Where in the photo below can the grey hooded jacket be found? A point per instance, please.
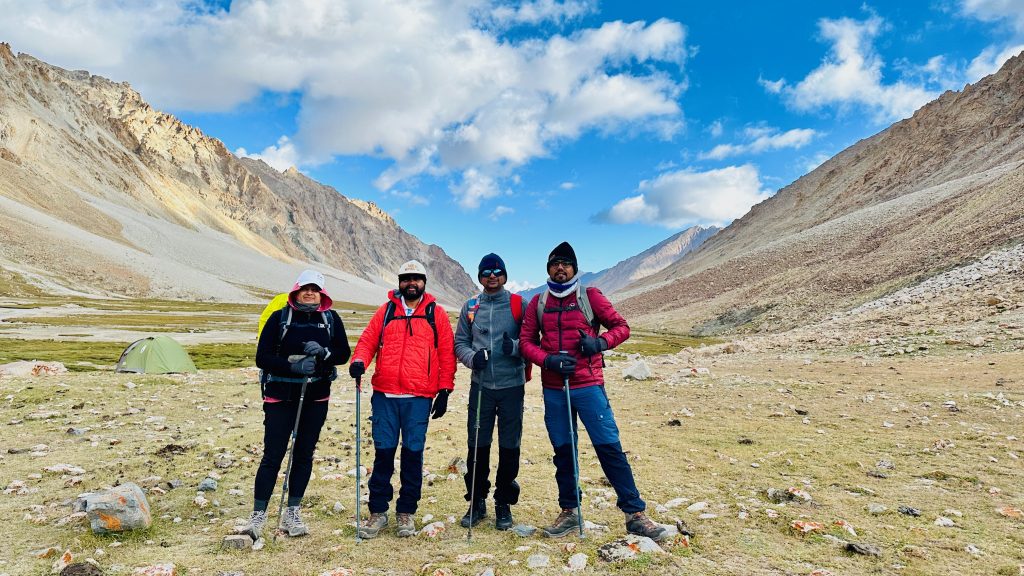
(492, 319)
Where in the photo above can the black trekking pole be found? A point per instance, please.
(291, 450)
(575, 455)
(359, 448)
(476, 447)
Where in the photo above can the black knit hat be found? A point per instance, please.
(490, 262)
(563, 252)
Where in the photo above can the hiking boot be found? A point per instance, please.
(292, 523)
(566, 522)
(639, 524)
(254, 527)
(406, 525)
(477, 512)
(372, 526)
(502, 516)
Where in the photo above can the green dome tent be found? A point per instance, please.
(155, 355)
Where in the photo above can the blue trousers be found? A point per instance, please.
(393, 418)
(591, 406)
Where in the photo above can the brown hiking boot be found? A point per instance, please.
(566, 522)
(372, 526)
(406, 525)
(639, 524)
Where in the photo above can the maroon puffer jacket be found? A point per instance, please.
(561, 332)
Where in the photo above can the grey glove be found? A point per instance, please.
(306, 366)
(313, 348)
(590, 345)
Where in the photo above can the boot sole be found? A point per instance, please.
(503, 527)
(561, 534)
(406, 533)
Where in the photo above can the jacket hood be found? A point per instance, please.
(325, 301)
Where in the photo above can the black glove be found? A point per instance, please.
(306, 366)
(564, 364)
(590, 345)
(313, 348)
(480, 359)
(356, 369)
(508, 344)
(440, 404)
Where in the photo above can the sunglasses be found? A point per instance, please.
(489, 271)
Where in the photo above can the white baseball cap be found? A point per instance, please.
(310, 277)
(412, 267)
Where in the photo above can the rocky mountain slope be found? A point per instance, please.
(101, 194)
(655, 258)
(929, 193)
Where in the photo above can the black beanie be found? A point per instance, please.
(563, 252)
(490, 262)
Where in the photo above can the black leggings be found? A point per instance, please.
(278, 421)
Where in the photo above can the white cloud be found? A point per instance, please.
(716, 129)
(990, 60)
(686, 197)
(772, 86)
(281, 156)
(851, 75)
(1011, 11)
(474, 188)
(517, 286)
(423, 83)
(763, 139)
(500, 211)
(539, 11)
(409, 197)
(567, 185)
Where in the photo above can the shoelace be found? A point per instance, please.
(293, 515)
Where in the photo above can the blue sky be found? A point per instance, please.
(510, 126)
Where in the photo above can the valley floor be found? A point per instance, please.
(862, 434)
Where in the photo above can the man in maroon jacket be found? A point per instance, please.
(566, 345)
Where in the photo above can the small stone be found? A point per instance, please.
(863, 548)
(972, 550)
(697, 506)
(237, 542)
(207, 485)
(944, 522)
(909, 511)
(876, 509)
(577, 562)
(538, 561)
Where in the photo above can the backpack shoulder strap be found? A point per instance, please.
(286, 321)
(516, 302)
(471, 309)
(542, 302)
(430, 318)
(389, 315)
(583, 301)
(329, 323)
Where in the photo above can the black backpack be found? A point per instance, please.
(389, 315)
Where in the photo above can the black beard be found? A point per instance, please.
(410, 292)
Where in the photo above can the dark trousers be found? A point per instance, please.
(278, 422)
(506, 406)
(589, 404)
(395, 418)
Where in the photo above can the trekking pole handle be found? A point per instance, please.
(295, 358)
(487, 354)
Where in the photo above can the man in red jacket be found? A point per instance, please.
(413, 341)
(560, 339)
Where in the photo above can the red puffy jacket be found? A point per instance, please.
(561, 332)
(407, 362)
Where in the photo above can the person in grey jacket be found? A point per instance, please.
(487, 340)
